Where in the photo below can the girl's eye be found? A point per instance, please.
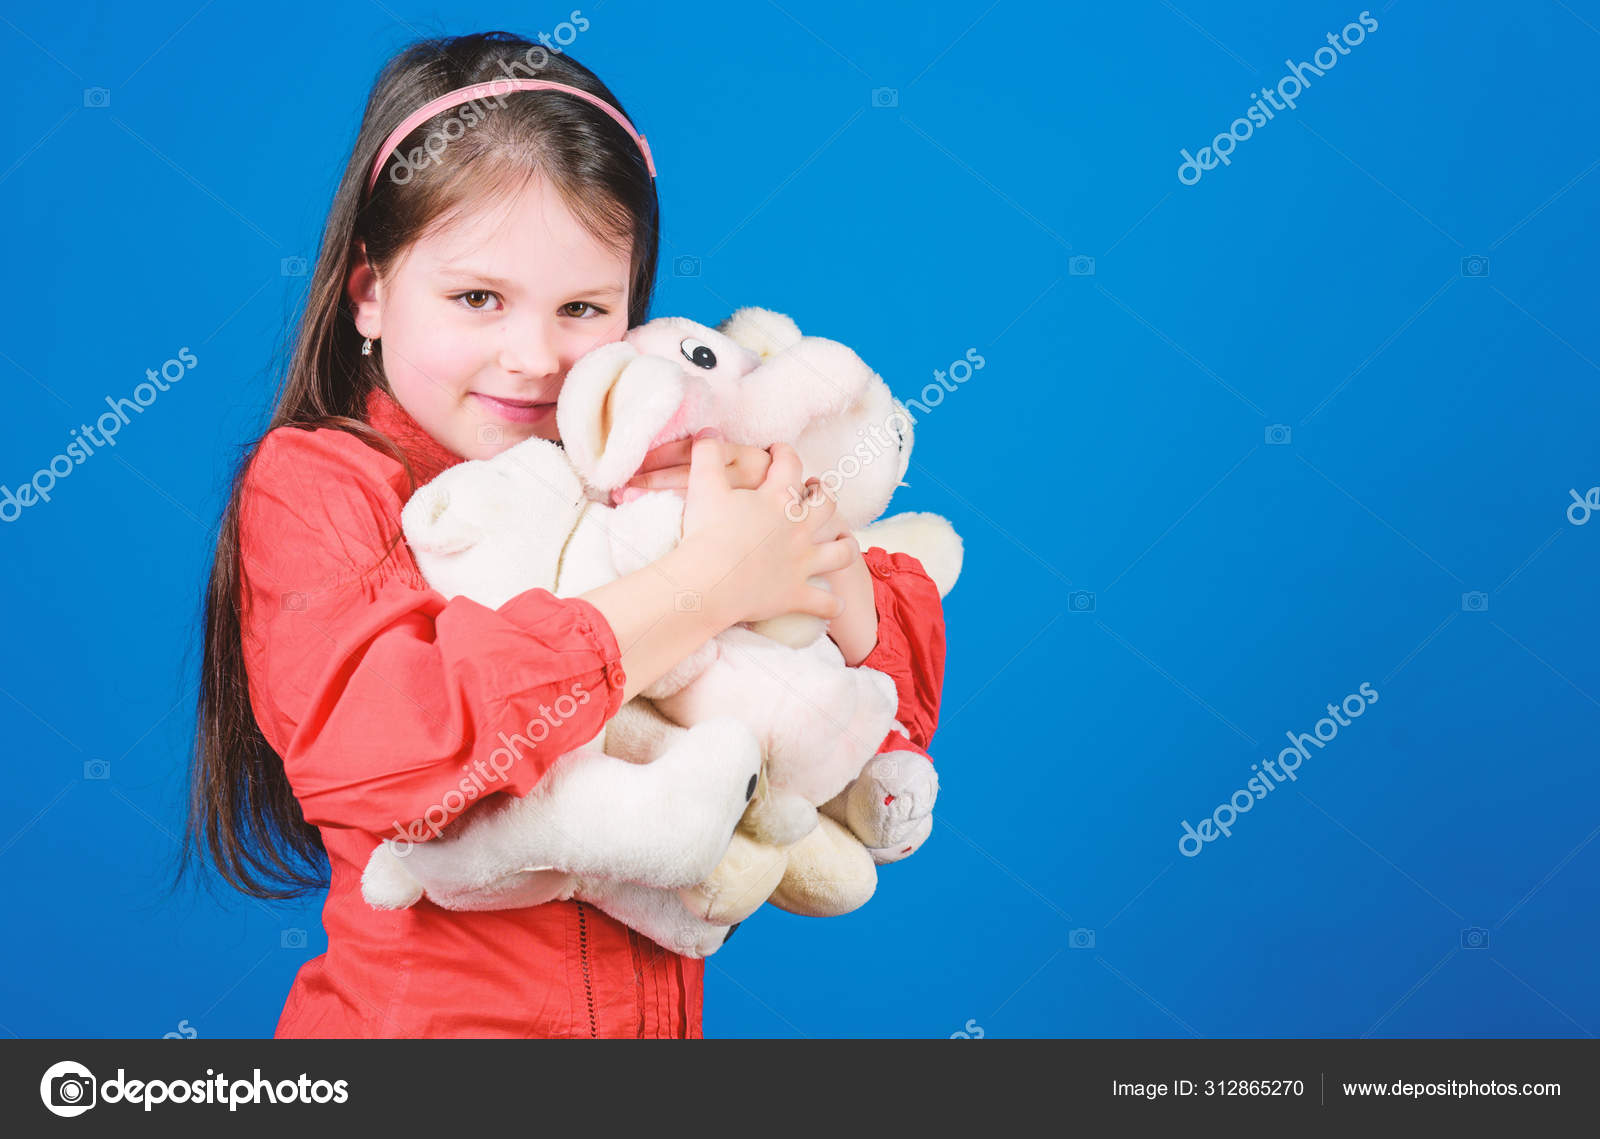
(485, 294)
(478, 300)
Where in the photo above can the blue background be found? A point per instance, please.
(1115, 443)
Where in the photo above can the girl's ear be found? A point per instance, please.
(365, 293)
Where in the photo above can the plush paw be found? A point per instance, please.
(659, 915)
(777, 818)
(741, 882)
(513, 892)
(386, 884)
(701, 940)
(708, 780)
(690, 937)
(890, 805)
(829, 873)
(906, 846)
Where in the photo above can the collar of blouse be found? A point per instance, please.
(428, 456)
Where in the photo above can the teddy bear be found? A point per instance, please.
(534, 516)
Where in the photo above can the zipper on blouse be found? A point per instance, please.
(583, 958)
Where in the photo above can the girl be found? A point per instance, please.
(464, 268)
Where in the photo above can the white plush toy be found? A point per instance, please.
(638, 820)
(761, 381)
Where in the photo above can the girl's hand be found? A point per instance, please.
(833, 527)
(667, 468)
(750, 548)
(855, 630)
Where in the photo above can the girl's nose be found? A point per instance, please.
(530, 350)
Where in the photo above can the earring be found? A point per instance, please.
(366, 348)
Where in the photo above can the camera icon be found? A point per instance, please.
(1080, 266)
(293, 938)
(292, 602)
(490, 433)
(1474, 937)
(686, 266)
(1474, 602)
(96, 769)
(1080, 939)
(1080, 601)
(1474, 266)
(96, 97)
(885, 97)
(292, 267)
(72, 1091)
(1278, 434)
(686, 601)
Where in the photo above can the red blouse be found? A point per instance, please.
(375, 690)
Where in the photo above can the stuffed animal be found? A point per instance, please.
(761, 381)
(773, 709)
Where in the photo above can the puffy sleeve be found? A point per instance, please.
(910, 647)
(393, 708)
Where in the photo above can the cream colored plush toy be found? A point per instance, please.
(767, 714)
(758, 379)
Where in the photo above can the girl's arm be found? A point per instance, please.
(394, 709)
(910, 647)
(893, 621)
(391, 706)
(855, 630)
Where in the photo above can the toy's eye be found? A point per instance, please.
(698, 354)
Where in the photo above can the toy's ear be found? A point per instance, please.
(613, 405)
(764, 332)
(927, 537)
(431, 527)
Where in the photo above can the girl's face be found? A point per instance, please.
(478, 322)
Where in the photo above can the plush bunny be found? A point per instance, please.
(492, 529)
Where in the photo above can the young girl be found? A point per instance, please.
(464, 267)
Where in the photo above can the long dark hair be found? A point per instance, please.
(241, 809)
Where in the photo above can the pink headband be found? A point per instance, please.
(497, 87)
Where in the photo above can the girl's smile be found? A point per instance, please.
(516, 411)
